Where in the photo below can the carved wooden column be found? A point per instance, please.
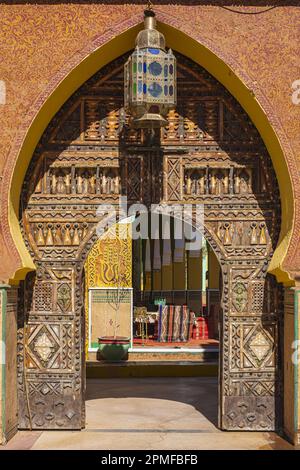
(250, 366)
(50, 349)
(250, 336)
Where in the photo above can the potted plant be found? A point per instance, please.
(115, 348)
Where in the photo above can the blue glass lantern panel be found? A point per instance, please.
(140, 67)
(140, 86)
(171, 90)
(155, 68)
(171, 69)
(153, 51)
(144, 67)
(155, 89)
(166, 70)
(166, 89)
(144, 88)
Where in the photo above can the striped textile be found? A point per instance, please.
(184, 333)
(175, 323)
(170, 322)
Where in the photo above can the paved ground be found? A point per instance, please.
(149, 413)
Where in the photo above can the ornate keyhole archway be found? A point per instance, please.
(209, 154)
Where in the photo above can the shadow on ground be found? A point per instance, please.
(198, 392)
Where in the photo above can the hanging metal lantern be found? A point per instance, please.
(150, 78)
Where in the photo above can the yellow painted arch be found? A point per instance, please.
(200, 54)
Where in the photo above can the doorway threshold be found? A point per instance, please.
(199, 355)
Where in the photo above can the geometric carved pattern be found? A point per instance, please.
(49, 346)
(174, 179)
(134, 179)
(43, 346)
(257, 297)
(209, 153)
(258, 347)
(64, 297)
(259, 389)
(43, 296)
(240, 297)
(45, 388)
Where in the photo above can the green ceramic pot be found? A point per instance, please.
(114, 349)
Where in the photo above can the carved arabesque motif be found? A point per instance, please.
(209, 153)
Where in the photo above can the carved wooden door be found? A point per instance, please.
(211, 154)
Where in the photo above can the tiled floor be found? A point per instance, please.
(149, 413)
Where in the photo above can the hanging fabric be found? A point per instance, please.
(179, 250)
(156, 255)
(167, 252)
(148, 257)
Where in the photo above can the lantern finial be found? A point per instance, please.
(149, 5)
(149, 36)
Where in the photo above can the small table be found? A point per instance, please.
(143, 317)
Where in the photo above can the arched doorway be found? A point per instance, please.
(175, 281)
(210, 154)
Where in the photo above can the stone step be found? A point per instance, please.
(203, 355)
(104, 369)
